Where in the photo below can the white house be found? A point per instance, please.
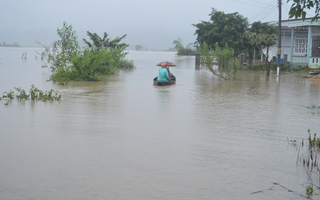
(300, 42)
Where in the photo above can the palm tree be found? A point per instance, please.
(104, 42)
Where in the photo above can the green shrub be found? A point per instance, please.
(125, 64)
(262, 66)
(70, 63)
(34, 94)
(86, 67)
(9, 95)
(21, 93)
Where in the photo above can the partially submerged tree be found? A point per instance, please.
(258, 37)
(261, 41)
(188, 50)
(114, 47)
(253, 43)
(98, 43)
(68, 62)
(220, 61)
(62, 50)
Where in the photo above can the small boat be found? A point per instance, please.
(172, 81)
(314, 72)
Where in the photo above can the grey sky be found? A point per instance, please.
(151, 23)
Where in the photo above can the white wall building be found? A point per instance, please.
(300, 42)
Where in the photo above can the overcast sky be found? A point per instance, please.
(154, 24)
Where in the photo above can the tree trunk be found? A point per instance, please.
(267, 62)
(250, 57)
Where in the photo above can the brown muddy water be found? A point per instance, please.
(123, 138)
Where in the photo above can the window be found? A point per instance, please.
(301, 44)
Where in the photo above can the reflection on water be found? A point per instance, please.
(164, 94)
(124, 138)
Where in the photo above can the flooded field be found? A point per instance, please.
(124, 138)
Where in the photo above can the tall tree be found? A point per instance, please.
(261, 41)
(223, 29)
(299, 8)
(259, 36)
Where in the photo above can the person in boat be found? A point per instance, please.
(168, 71)
(163, 75)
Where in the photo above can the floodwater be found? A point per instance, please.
(123, 138)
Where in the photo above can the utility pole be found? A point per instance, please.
(279, 39)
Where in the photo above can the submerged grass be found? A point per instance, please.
(308, 158)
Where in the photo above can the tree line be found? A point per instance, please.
(4, 44)
(222, 38)
(224, 33)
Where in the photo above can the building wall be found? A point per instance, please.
(304, 53)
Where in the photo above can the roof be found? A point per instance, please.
(296, 23)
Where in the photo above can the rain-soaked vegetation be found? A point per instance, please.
(69, 62)
(308, 159)
(34, 94)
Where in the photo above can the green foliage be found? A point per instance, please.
(101, 56)
(258, 67)
(224, 30)
(111, 53)
(262, 67)
(207, 56)
(259, 36)
(313, 107)
(224, 56)
(34, 94)
(21, 93)
(40, 95)
(309, 159)
(299, 8)
(87, 66)
(226, 64)
(262, 34)
(188, 50)
(9, 94)
(62, 50)
(124, 64)
(313, 142)
(97, 43)
(309, 191)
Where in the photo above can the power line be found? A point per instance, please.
(266, 11)
(246, 3)
(260, 2)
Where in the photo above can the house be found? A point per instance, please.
(300, 42)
